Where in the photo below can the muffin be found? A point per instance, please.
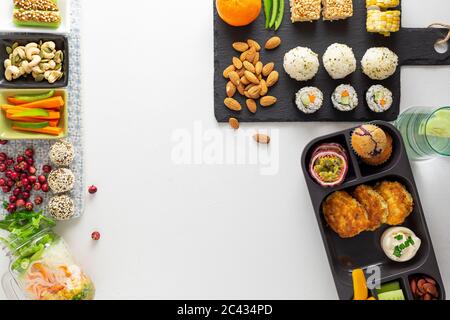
(62, 153)
(384, 156)
(369, 141)
(61, 180)
(61, 207)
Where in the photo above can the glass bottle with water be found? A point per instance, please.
(426, 132)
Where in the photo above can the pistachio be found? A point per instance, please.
(9, 50)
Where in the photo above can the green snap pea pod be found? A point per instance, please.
(280, 15)
(267, 8)
(274, 13)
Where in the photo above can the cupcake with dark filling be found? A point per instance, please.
(372, 144)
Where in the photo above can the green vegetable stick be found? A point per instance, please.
(274, 13)
(267, 8)
(280, 15)
(35, 97)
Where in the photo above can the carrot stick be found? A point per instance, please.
(51, 103)
(47, 130)
(14, 101)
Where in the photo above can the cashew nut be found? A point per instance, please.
(59, 56)
(19, 52)
(12, 72)
(25, 66)
(7, 63)
(48, 50)
(32, 51)
(36, 59)
(53, 76)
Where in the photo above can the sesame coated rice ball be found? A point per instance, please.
(61, 207)
(61, 180)
(301, 63)
(379, 63)
(62, 153)
(339, 61)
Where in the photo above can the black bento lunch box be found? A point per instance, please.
(28, 82)
(364, 251)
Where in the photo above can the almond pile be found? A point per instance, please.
(249, 77)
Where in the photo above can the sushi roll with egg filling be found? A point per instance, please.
(344, 98)
(309, 99)
(379, 99)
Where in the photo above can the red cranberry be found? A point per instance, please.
(30, 161)
(29, 152)
(95, 235)
(32, 179)
(45, 187)
(11, 208)
(42, 179)
(20, 159)
(6, 189)
(17, 192)
(20, 203)
(37, 186)
(3, 142)
(29, 206)
(25, 181)
(3, 167)
(46, 168)
(2, 182)
(3, 157)
(10, 183)
(32, 170)
(26, 195)
(23, 166)
(12, 199)
(9, 162)
(8, 173)
(92, 189)
(14, 176)
(38, 200)
(17, 168)
(29, 187)
(23, 176)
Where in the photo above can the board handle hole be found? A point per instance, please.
(441, 47)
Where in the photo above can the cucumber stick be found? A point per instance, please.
(280, 15)
(274, 13)
(267, 8)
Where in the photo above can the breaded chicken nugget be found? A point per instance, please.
(373, 202)
(345, 215)
(399, 200)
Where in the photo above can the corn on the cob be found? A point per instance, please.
(384, 4)
(383, 22)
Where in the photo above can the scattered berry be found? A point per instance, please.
(9, 162)
(20, 203)
(29, 206)
(37, 186)
(95, 235)
(26, 195)
(45, 187)
(12, 199)
(32, 170)
(38, 200)
(3, 142)
(2, 182)
(92, 189)
(6, 189)
(11, 208)
(47, 169)
(42, 179)
(3, 167)
(29, 152)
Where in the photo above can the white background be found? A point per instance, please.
(206, 231)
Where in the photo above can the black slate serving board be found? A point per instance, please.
(413, 46)
(364, 251)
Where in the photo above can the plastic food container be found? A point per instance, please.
(43, 269)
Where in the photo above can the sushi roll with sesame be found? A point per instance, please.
(309, 99)
(345, 98)
(379, 99)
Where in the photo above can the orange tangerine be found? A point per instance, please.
(238, 13)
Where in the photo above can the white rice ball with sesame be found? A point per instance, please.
(62, 153)
(61, 207)
(379, 63)
(301, 63)
(339, 61)
(61, 180)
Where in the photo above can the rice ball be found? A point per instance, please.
(379, 63)
(62, 153)
(61, 207)
(301, 63)
(61, 180)
(339, 61)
